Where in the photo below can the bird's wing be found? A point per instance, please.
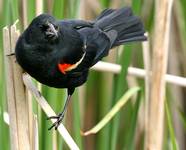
(102, 47)
(97, 45)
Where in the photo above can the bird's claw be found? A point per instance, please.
(58, 121)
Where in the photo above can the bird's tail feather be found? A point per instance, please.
(120, 26)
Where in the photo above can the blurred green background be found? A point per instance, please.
(94, 99)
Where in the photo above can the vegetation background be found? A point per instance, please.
(93, 100)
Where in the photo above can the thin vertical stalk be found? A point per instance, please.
(24, 8)
(35, 134)
(30, 117)
(39, 7)
(147, 66)
(154, 135)
(10, 91)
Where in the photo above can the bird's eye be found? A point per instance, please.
(56, 27)
(43, 27)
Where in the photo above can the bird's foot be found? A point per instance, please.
(11, 54)
(59, 119)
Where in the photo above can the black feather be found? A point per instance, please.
(125, 25)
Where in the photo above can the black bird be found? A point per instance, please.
(59, 53)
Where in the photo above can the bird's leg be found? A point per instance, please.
(60, 116)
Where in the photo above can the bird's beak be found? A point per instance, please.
(51, 31)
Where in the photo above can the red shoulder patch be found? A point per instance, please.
(64, 67)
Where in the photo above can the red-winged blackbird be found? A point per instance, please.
(59, 53)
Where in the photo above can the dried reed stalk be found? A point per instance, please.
(10, 91)
(147, 66)
(154, 134)
(15, 94)
(39, 7)
(141, 73)
(24, 8)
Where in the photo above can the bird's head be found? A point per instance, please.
(43, 28)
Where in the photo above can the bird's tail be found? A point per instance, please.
(121, 26)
